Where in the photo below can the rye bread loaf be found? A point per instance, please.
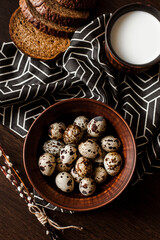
(42, 24)
(78, 4)
(54, 12)
(33, 42)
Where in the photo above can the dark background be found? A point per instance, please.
(135, 215)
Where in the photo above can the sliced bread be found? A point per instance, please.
(78, 4)
(42, 24)
(33, 42)
(54, 12)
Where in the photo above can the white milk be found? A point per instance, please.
(135, 37)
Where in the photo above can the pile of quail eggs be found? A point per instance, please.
(81, 154)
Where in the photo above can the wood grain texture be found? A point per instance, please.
(134, 215)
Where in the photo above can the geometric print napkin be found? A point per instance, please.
(28, 86)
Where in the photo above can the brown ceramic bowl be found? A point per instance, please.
(66, 111)
(114, 59)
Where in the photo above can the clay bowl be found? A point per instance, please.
(66, 111)
(113, 58)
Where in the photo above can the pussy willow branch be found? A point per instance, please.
(12, 175)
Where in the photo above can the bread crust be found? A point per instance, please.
(40, 23)
(17, 37)
(78, 4)
(59, 14)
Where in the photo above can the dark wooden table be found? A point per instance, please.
(135, 215)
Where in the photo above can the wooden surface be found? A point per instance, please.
(135, 215)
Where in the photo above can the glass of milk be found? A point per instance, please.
(132, 37)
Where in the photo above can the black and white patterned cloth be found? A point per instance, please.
(28, 86)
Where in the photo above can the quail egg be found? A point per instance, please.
(64, 181)
(68, 154)
(100, 175)
(110, 144)
(113, 163)
(47, 164)
(83, 167)
(53, 147)
(97, 126)
(62, 167)
(75, 175)
(89, 149)
(99, 161)
(87, 186)
(82, 122)
(56, 130)
(72, 134)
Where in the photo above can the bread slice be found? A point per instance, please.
(54, 12)
(33, 42)
(78, 4)
(42, 24)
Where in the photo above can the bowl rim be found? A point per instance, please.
(118, 13)
(92, 207)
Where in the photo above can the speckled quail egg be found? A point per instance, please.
(87, 186)
(53, 147)
(97, 126)
(110, 144)
(83, 167)
(64, 181)
(47, 164)
(62, 167)
(82, 122)
(75, 175)
(113, 163)
(99, 161)
(100, 175)
(56, 130)
(68, 154)
(89, 149)
(72, 134)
